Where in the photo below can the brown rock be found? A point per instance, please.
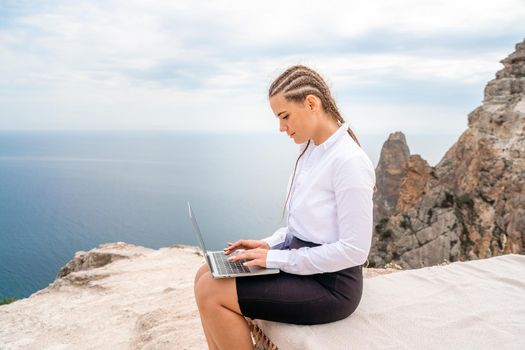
(415, 183)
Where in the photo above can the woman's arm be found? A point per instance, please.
(353, 183)
(352, 248)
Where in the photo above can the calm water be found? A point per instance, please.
(61, 192)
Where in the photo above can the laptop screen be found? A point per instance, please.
(199, 237)
(196, 229)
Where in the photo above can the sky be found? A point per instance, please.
(410, 65)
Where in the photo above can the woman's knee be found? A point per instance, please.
(211, 293)
(201, 271)
(205, 289)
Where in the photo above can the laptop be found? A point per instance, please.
(218, 262)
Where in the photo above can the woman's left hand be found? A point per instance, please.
(254, 257)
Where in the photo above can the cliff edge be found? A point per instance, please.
(116, 296)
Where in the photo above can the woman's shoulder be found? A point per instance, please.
(350, 160)
(347, 150)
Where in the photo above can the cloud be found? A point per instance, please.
(207, 64)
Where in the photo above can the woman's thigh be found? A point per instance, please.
(292, 299)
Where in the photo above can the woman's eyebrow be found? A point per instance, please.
(279, 114)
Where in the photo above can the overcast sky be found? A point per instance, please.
(412, 65)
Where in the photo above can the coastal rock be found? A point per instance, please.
(106, 254)
(471, 205)
(143, 301)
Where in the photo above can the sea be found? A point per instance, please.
(66, 191)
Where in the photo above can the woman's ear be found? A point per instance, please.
(312, 102)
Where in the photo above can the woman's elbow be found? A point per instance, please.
(357, 256)
(362, 259)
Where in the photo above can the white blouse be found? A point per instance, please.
(330, 204)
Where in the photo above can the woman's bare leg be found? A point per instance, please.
(211, 343)
(201, 271)
(221, 314)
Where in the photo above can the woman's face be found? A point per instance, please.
(296, 119)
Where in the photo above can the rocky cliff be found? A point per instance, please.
(471, 205)
(116, 296)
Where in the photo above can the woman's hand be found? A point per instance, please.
(253, 257)
(245, 244)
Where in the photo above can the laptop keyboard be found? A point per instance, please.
(226, 267)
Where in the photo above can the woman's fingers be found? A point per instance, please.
(233, 246)
(255, 262)
(247, 244)
(254, 256)
(247, 254)
(241, 244)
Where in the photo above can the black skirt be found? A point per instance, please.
(301, 299)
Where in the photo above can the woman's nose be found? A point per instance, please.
(282, 126)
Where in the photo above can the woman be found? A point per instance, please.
(329, 227)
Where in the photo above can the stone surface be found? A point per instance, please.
(471, 205)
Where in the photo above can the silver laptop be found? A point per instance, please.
(218, 262)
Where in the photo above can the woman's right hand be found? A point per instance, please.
(245, 244)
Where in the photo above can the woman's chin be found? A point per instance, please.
(295, 139)
(298, 140)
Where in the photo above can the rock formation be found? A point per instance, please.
(471, 205)
(390, 172)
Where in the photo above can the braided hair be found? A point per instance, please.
(295, 84)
